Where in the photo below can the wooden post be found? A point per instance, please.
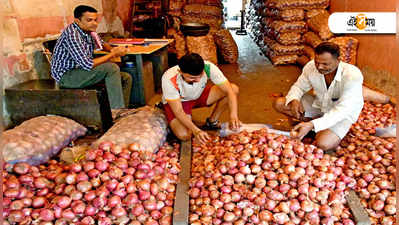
(182, 204)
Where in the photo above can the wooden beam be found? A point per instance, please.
(182, 203)
(360, 214)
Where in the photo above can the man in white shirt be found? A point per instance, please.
(185, 87)
(338, 101)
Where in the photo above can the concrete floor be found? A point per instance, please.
(258, 80)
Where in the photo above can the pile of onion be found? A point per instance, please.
(113, 185)
(371, 161)
(264, 178)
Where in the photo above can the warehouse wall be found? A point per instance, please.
(26, 25)
(376, 53)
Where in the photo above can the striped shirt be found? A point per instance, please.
(74, 49)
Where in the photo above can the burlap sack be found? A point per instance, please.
(310, 38)
(297, 4)
(282, 59)
(302, 60)
(319, 25)
(285, 15)
(204, 46)
(197, 9)
(176, 7)
(308, 52)
(279, 26)
(213, 22)
(347, 48)
(226, 45)
(290, 38)
(179, 45)
(217, 3)
(314, 12)
(279, 49)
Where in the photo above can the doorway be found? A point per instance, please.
(232, 13)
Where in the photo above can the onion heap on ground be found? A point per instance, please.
(371, 161)
(113, 185)
(264, 178)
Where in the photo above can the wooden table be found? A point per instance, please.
(153, 50)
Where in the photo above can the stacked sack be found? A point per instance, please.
(284, 26)
(211, 15)
(287, 31)
(218, 40)
(317, 21)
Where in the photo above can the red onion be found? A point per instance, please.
(84, 186)
(137, 210)
(68, 214)
(118, 212)
(78, 207)
(90, 210)
(281, 218)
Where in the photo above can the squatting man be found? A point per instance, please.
(185, 86)
(338, 98)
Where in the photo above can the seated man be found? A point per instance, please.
(73, 65)
(185, 87)
(338, 101)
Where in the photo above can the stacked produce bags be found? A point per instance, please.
(294, 24)
(218, 41)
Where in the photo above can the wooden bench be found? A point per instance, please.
(89, 107)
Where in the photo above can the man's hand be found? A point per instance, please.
(296, 108)
(235, 123)
(119, 51)
(201, 136)
(301, 130)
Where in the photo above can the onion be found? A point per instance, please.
(229, 217)
(90, 210)
(378, 205)
(68, 214)
(15, 216)
(101, 165)
(21, 168)
(41, 182)
(84, 186)
(306, 206)
(118, 212)
(270, 204)
(78, 207)
(114, 201)
(281, 218)
(275, 195)
(38, 202)
(104, 221)
(137, 210)
(294, 205)
(390, 209)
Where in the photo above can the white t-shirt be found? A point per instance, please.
(174, 87)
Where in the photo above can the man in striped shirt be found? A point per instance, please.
(73, 65)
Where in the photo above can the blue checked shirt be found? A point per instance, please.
(74, 49)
